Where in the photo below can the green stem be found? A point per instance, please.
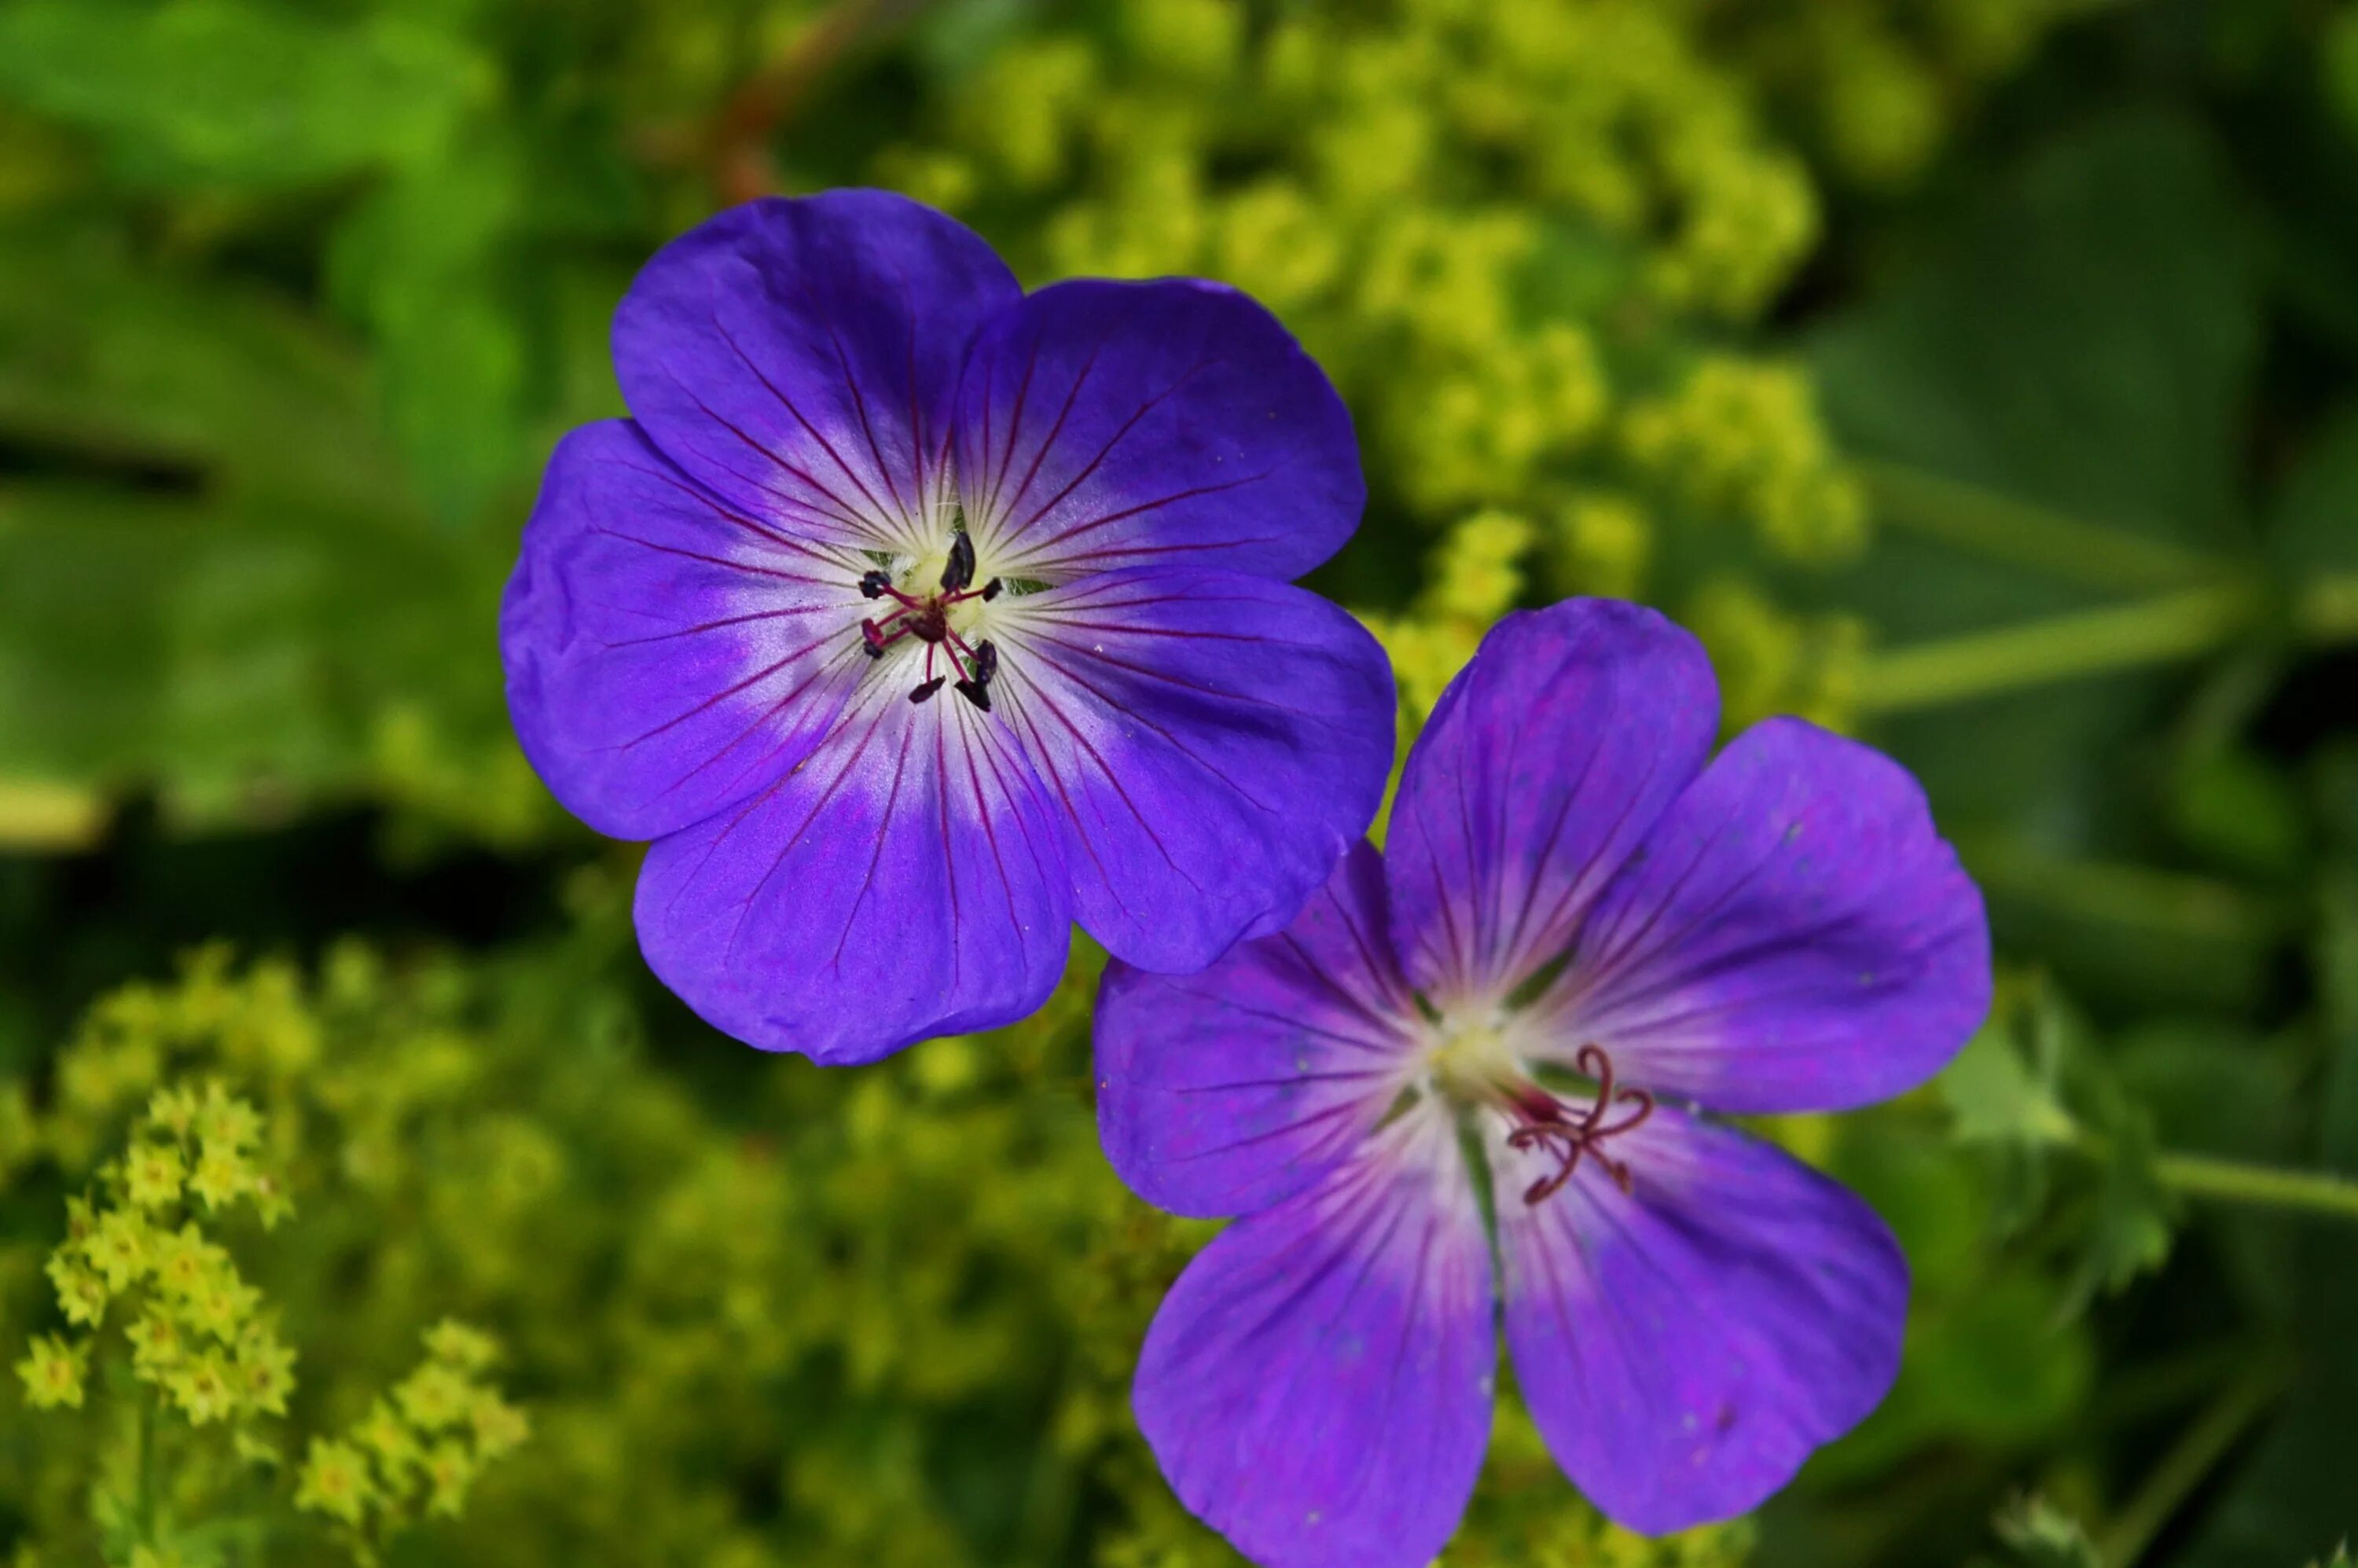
(2200, 1175)
(2026, 535)
(149, 1470)
(2085, 643)
(2189, 1461)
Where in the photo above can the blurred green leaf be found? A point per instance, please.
(239, 92)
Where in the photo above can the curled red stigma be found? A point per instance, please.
(1542, 1123)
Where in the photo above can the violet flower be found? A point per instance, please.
(915, 618)
(1579, 937)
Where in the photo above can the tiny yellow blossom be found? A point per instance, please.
(451, 1471)
(53, 1372)
(122, 1249)
(334, 1481)
(152, 1174)
(263, 1372)
(201, 1386)
(499, 1426)
(174, 1110)
(434, 1397)
(157, 1345)
(226, 1122)
(461, 1345)
(81, 1293)
(223, 1176)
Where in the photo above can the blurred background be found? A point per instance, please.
(1976, 376)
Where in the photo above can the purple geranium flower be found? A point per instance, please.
(1578, 932)
(915, 618)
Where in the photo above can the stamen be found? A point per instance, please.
(957, 573)
(991, 589)
(925, 690)
(975, 693)
(873, 585)
(1546, 1126)
(984, 665)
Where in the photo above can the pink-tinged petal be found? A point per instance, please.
(1318, 1384)
(1233, 1089)
(666, 655)
(1795, 936)
(1544, 765)
(1212, 743)
(1105, 425)
(801, 358)
(1685, 1346)
(904, 882)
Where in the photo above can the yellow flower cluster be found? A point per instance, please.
(1744, 438)
(420, 1448)
(1474, 578)
(1771, 660)
(1470, 210)
(197, 1330)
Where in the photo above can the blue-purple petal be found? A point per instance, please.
(1317, 1387)
(1544, 765)
(1212, 743)
(1685, 1346)
(800, 356)
(1795, 936)
(904, 881)
(1107, 426)
(1230, 1090)
(666, 655)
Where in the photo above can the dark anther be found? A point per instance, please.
(959, 570)
(924, 691)
(975, 693)
(1546, 1126)
(991, 589)
(873, 650)
(873, 584)
(986, 662)
(873, 635)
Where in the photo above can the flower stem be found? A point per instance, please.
(2026, 535)
(2201, 1175)
(2190, 1459)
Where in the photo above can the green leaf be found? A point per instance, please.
(1994, 1097)
(239, 94)
(2041, 1535)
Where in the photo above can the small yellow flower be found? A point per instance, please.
(157, 1345)
(174, 1110)
(153, 1173)
(434, 1397)
(185, 1260)
(460, 1346)
(500, 1427)
(334, 1481)
(223, 1176)
(82, 1294)
(222, 1304)
(52, 1372)
(203, 1387)
(450, 1470)
(227, 1123)
(271, 1202)
(122, 1249)
(388, 1440)
(264, 1373)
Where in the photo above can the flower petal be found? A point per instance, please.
(801, 357)
(1795, 936)
(1107, 425)
(1213, 743)
(904, 882)
(667, 656)
(1542, 766)
(1230, 1090)
(1683, 1346)
(1318, 1386)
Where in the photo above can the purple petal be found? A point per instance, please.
(1683, 1346)
(904, 881)
(1230, 1090)
(1793, 936)
(1173, 423)
(1213, 742)
(1318, 1386)
(666, 655)
(801, 357)
(1542, 766)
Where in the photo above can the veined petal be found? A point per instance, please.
(1212, 741)
(1795, 936)
(1685, 1346)
(904, 881)
(666, 655)
(1318, 1386)
(1107, 425)
(1544, 764)
(1227, 1091)
(801, 358)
